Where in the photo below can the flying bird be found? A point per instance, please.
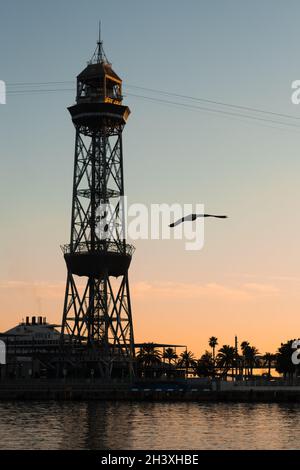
(191, 217)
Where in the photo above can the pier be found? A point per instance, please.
(179, 390)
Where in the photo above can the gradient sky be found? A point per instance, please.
(246, 280)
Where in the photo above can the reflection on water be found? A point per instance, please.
(122, 425)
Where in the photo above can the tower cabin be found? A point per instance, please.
(99, 83)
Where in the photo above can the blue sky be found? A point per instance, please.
(240, 52)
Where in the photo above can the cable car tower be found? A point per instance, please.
(97, 318)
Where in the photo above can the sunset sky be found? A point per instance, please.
(246, 279)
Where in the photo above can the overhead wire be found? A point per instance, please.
(218, 107)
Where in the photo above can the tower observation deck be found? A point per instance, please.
(97, 318)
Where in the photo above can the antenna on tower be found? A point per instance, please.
(99, 44)
(99, 41)
(99, 56)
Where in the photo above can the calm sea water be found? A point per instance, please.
(121, 425)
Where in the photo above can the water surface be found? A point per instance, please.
(125, 425)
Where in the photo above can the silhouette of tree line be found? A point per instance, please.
(223, 363)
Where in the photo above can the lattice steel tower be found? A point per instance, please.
(97, 312)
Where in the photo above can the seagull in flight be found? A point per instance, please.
(191, 217)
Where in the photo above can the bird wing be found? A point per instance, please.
(179, 221)
(212, 215)
(191, 217)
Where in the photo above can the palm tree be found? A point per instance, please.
(244, 346)
(249, 357)
(213, 342)
(268, 358)
(205, 366)
(170, 355)
(250, 354)
(284, 364)
(186, 360)
(226, 359)
(148, 355)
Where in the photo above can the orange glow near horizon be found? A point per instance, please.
(177, 313)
